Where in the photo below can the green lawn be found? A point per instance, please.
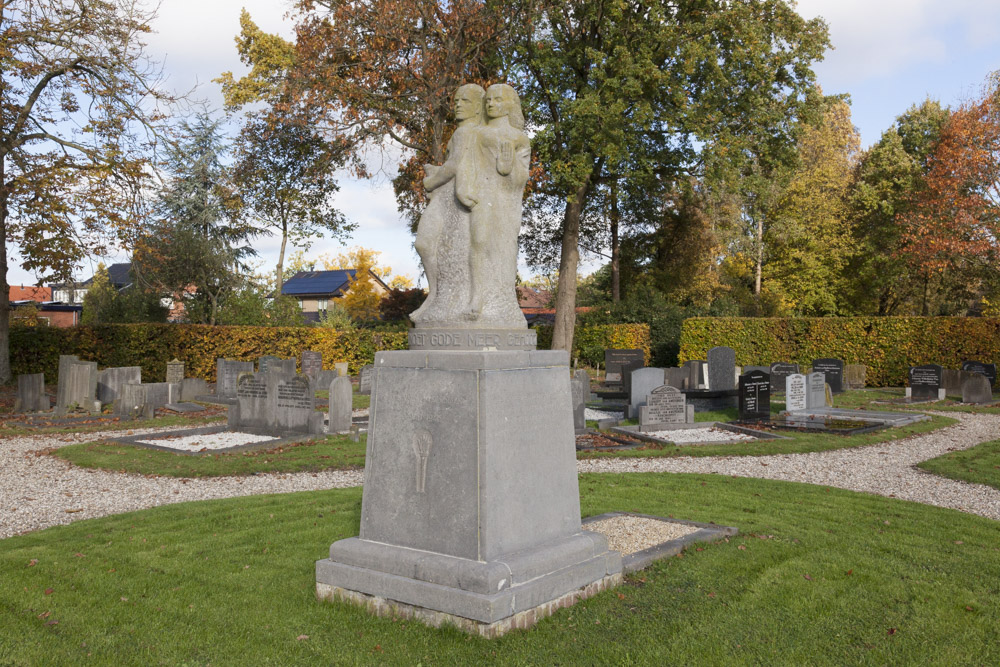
(332, 452)
(818, 576)
(979, 465)
(863, 400)
(13, 429)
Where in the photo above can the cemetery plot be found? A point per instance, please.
(208, 440)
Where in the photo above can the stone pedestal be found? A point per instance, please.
(471, 509)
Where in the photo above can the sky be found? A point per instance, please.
(887, 56)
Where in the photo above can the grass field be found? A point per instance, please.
(979, 465)
(818, 576)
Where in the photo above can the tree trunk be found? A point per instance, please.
(280, 273)
(5, 373)
(759, 260)
(616, 294)
(562, 335)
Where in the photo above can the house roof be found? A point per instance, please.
(118, 275)
(318, 282)
(29, 293)
(530, 297)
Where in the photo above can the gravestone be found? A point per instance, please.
(293, 404)
(796, 396)
(175, 371)
(264, 363)
(722, 369)
(584, 378)
(31, 396)
(111, 380)
(339, 416)
(132, 404)
(747, 369)
(191, 388)
(989, 370)
(643, 381)
(815, 390)
(578, 393)
(951, 380)
(615, 359)
(855, 376)
(675, 377)
(833, 369)
(81, 388)
(755, 396)
(312, 364)
(62, 378)
(341, 367)
(925, 382)
(779, 371)
(976, 389)
(627, 369)
(252, 404)
(277, 365)
(365, 380)
(227, 372)
(697, 377)
(665, 405)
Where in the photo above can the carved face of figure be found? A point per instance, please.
(496, 105)
(467, 103)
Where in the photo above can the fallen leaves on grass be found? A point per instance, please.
(32, 563)
(807, 577)
(302, 637)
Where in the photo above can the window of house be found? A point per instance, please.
(300, 304)
(321, 305)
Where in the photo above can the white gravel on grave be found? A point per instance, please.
(597, 415)
(629, 534)
(210, 442)
(709, 434)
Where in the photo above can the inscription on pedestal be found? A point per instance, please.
(526, 339)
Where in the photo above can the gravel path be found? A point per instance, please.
(41, 491)
(885, 469)
(38, 491)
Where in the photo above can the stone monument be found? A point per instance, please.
(470, 511)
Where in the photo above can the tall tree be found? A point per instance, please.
(78, 100)
(284, 172)
(198, 239)
(608, 80)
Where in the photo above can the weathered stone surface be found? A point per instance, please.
(642, 382)
(952, 380)
(472, 339)
(132, 402)
(815, 390)
(31, 396)
(675, 377)
(65, 361)
(855, 376)
(925, 381)
(976, 389)
(584, 378)
(755, 396)
(697, 374)
(227, 372)
(722, 368)
(614, 360)
(277, 403)
(796, 394)
(481, 532)
(252, 409)
(111, 380)
(779, 371)
(81, 387)
(339, 416)
(342, 369)
(579, 392)
(312, 364)
(191, 388)
(833, 369)
(665, 405)
(365, 380)
(175, 371)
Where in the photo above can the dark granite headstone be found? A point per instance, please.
(762, 369)
(779, 371)
(976, 389)
(722, 369)
(925, 381)
(989, 370)
(615, 359)
(31, 396)
(312, 364)
(755, 396)
(227, 372)
(833, 369)
(175, 371)
(365, 380)
(665, 405)
(796, 396)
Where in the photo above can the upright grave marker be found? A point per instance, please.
(796, 394)
(578, 392)
(31, 395)
(815, 391)
(665, 405)
(227, 372)
(779, 371)
(925, 382)
(111, 380)
(989, 370)
(697, 377)
(175, 371)
(833, 369)
(312, 364)
(976, 389)
(643, 381)
(365, 380)
(615, 359)
(755, 396)
(339, 416)
(722, 369)
(855, 376)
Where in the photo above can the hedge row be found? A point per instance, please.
(888, 346)
(589, 343)
(151, 346)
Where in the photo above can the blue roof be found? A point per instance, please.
(318, 282)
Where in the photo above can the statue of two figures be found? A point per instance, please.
(467, 236)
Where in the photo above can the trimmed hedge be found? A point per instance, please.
(888, 346)
(151, 346)
(590, 342)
